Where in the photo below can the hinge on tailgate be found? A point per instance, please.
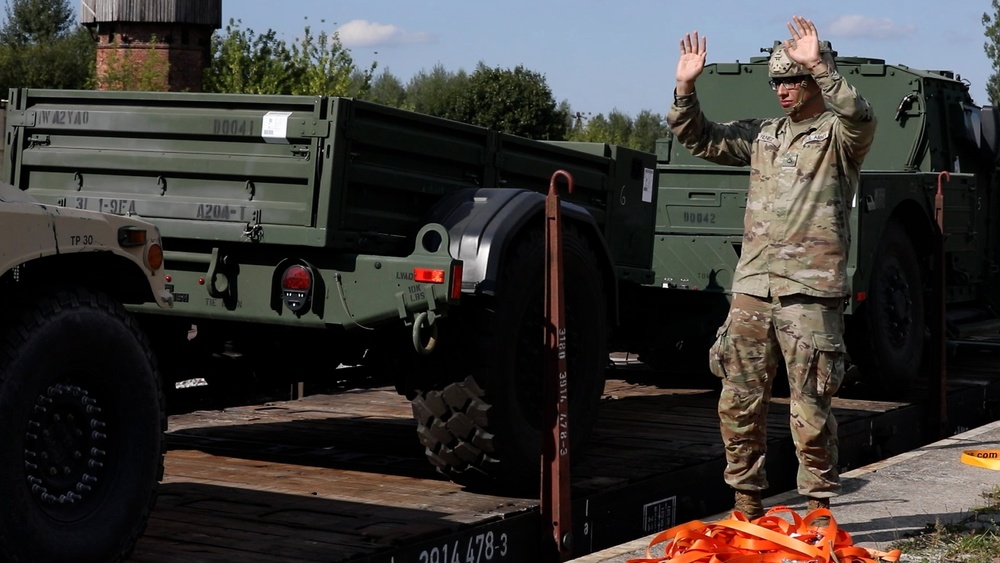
(21, 118)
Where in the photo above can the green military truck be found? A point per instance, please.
(305, 232)
(928, 124)
(81, 405)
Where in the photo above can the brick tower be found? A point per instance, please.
(153, 38)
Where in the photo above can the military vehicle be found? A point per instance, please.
(306, 232)
(81, 404)
(928, 124)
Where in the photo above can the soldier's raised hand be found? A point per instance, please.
(691, 62)
(803, 47)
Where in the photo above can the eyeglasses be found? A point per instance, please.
(790, 82)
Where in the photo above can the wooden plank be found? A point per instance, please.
(340, 477)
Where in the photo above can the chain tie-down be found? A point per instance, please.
(768, 539)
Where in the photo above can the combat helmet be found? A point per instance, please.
(780, 65)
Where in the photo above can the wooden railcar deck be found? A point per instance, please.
(341, 477)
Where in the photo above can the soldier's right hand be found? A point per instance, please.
(691, 62)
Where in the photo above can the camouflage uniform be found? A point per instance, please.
(791, 281)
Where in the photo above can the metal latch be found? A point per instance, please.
(35, 140)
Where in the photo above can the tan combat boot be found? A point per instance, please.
(749, 503)
(815, 504)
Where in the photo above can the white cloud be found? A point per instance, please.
(864, 26)
(363, 33)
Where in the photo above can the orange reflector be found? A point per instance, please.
(154, 257)
(426, 275)
(456, 280)
(860, 296)
(131, 236)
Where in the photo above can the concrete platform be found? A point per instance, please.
(884, 501)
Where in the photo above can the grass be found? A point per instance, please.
(975, 539)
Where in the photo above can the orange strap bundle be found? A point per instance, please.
(768, 539)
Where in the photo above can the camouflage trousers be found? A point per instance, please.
(807, 332)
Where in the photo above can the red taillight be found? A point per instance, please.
(296, 288)
(426, 275)
(296, 278)
(456, 281)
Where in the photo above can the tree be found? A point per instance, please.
(647, 128)
(321, 65)
(620, 129)
(34, 21)
(591, 129)
(387, 90)
(436, 92)
(992, 47)
(40, 47)
(514, 101)
(245, 62)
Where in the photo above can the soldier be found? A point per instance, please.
(790, 283)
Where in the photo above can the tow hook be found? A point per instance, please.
(425, 320)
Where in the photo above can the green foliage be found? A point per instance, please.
(514, 101)
(436, 92)
(135, 70)
(589, 129)
(992, 47)
(36, 21)
(646, 130)
(245, 62)
(517, 101)
(387, 90)
(40, 47)
(619, 129)
(321, 65)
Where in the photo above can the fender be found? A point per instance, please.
(482, 222)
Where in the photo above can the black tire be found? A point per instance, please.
(486, 429)
(81, 409)
(886, 339)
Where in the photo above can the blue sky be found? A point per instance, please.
(603, 55)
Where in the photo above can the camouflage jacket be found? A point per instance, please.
(803, 178)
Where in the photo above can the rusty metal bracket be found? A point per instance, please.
(555, 499)
(939, 332)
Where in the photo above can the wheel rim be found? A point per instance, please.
(65, 450)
